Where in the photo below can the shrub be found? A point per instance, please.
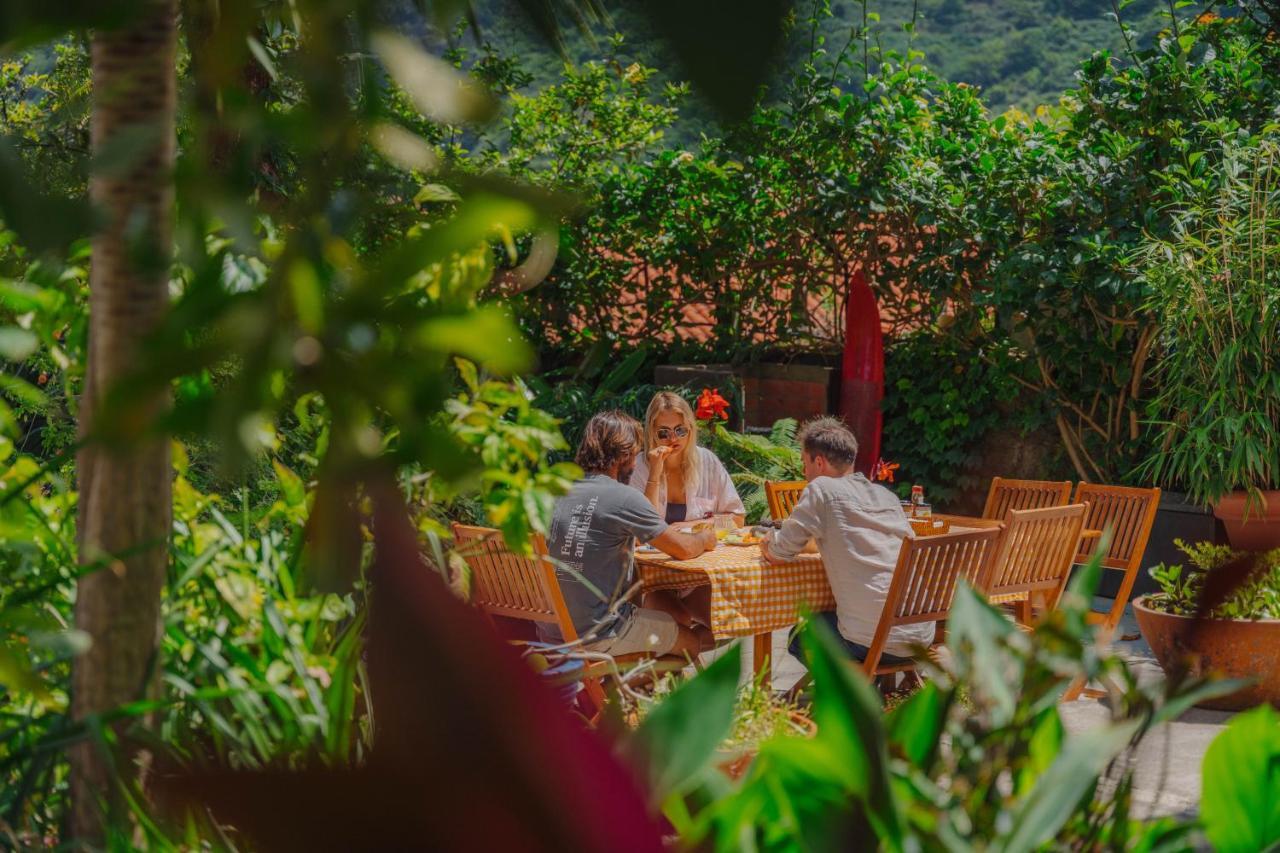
(1181, 586)
(1216, 290)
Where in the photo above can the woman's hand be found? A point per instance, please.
(657, 459)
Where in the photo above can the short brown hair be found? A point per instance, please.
(609, 438)
(830, 438)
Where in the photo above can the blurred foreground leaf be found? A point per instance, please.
(1240, 805)
(678, 738)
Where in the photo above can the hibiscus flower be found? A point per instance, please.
(883, 472)
(711, 405)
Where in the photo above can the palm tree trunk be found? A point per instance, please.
(125, 491)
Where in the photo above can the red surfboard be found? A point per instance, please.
(862, 371)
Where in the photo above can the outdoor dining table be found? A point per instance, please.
(749, 596)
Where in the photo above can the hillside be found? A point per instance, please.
(1021, 53)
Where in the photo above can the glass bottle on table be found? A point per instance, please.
(917, 501)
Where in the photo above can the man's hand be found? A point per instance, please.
(765, 552)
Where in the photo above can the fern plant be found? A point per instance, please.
(752, 459)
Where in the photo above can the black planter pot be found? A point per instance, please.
(1176, 519)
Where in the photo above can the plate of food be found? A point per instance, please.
(742, 538)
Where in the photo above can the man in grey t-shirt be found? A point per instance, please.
(592, 537)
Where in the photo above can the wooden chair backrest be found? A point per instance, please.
(924, 580)
(1128, 513)
(512, 585)
(1005, 495)
(783, 496)
(1036, 552)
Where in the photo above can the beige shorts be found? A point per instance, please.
(647, 631)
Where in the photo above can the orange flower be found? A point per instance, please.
(883, 472)
(711, 405)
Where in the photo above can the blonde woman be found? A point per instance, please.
(683, 481)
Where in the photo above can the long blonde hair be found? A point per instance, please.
(667, 401)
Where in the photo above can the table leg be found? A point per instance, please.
(762, 647)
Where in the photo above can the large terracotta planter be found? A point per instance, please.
(1261, 531)
(1232, 648)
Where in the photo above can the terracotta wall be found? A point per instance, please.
(760, 394)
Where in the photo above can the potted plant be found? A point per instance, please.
(1240, 638)
(1215, 289)
(759, 715)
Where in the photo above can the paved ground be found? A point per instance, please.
(1167, 779)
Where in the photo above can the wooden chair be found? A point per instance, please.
(1128, 514)
(1005, 495)
(924, 585)
(1035, 557)
(514, 586)
(783, 496)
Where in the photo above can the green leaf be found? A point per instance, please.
(437, 89)
(851, 723)
(915, 726)
(46, 223)
(1240, 803)
(435, 193)
(1071, 776)
(975, 629)
(467, 370)
(1043, 747)
(678, 737)
(295, 491)
(17, 344)
(725, 56)
(486, 335)
(25, 22)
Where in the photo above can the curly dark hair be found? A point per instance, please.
(607, 439)
(830, 438)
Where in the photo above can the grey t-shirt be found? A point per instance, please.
(593, 532)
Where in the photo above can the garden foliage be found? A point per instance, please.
(1182, 586)
(346, 232)
(978, 759)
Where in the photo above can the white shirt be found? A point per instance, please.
(715, 493)
(858, 527)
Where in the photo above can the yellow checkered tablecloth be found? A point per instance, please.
(748, 595)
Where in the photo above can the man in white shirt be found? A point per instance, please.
(858, 527)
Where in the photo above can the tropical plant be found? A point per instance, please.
(258, 669)
(573, 395)
(1216, 291)
(514, 440)
(1182, 586)
(752, 459)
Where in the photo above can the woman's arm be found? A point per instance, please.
(657, 461)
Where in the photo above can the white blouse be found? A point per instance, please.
(715, 493)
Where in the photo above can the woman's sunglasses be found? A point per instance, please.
(665, 433)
